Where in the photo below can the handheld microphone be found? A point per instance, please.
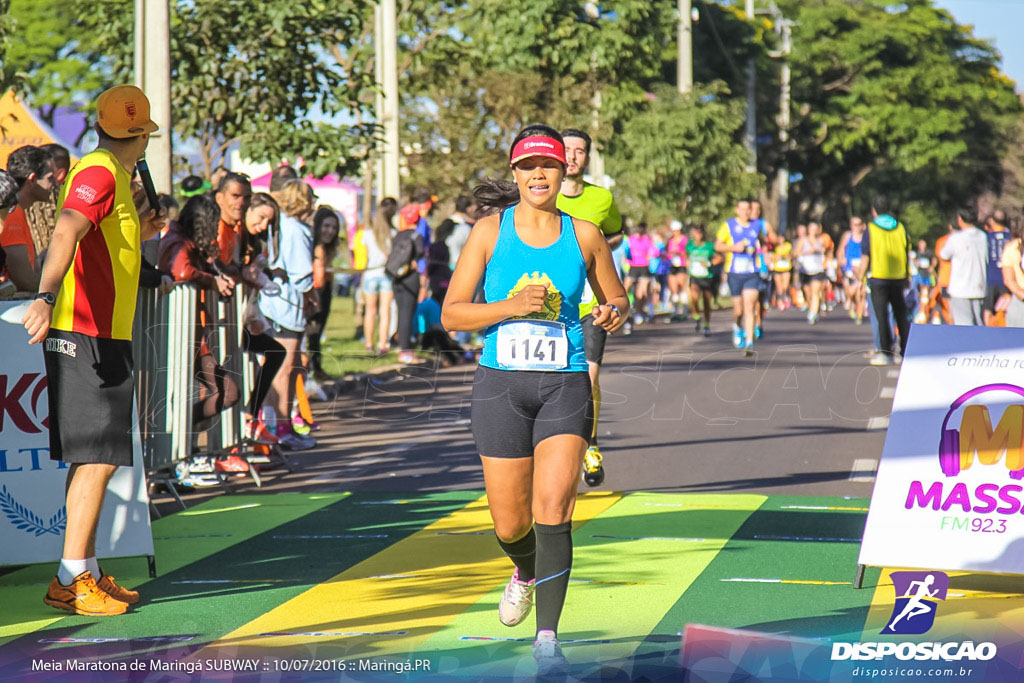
(147, 184)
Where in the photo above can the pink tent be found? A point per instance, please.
(339, 194)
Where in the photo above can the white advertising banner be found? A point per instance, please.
(949, 493)
(32, 515)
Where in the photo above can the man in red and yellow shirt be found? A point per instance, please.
(84, 313)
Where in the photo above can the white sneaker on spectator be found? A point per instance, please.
(881, 358)
(294, 442)
(314, 390)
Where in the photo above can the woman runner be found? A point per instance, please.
(531, 410)
(703, 259)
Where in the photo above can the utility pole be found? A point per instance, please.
(596, 160)
(786, 28)
(684, 38)
(386, 65)
(750, 135)
(153, 76)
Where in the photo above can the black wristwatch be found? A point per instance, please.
(47, 297)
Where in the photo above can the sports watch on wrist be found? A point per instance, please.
(48, 297)
(615, 308)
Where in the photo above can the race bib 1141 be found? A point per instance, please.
(532, 345)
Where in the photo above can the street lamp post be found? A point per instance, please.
(750, 135)
(386, 44)
(786, 28)
(684, 38)
(153, 76)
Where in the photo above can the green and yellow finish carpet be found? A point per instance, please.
(301, 578)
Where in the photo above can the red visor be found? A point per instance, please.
(538, 146)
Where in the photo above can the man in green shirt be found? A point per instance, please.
(589, 202)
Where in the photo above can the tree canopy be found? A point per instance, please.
(887, 96)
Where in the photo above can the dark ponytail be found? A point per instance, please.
(494, 195)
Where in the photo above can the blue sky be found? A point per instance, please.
(998, 20)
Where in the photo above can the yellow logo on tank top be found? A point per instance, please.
(553, 304)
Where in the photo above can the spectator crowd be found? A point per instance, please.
(280, 251)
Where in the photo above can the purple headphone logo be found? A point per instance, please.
(951, 459)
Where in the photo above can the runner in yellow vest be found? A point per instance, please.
(589, 202)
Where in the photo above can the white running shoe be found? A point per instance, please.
(881, 358)
(548, 655)
(517, 601)
(295, 442)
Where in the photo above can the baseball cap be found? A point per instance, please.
(193, 185)
(537, 146)
(410, 214)
(123, 112)
(676, 225)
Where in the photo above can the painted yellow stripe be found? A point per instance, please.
(179, 539)
(662, 550)
(977, 606)
(399, 597)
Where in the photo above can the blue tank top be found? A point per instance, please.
(854, 253)
(531, 343)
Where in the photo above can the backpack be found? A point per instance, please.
(399, 261)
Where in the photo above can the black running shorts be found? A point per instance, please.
(513, 411)
(705, 284)
(992, 294)
(594, 338)
(90, 389)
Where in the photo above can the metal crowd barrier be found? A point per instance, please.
(165, 351)
(164, 340)
(226, 345)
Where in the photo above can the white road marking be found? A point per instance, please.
(864, 470)
(887, 392)
(878, 423)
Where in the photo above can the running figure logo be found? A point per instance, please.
(917, 595)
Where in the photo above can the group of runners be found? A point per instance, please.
(545, 258)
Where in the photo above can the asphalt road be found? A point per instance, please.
(805, 416)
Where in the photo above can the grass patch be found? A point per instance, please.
(343, 352)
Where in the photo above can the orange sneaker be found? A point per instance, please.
(119, 593)
(84, 597)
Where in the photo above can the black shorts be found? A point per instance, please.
(817, 277)
(90, 390)
(639, 273)
(704, 284)
(279, 332)
(677, 270)
(513, 411)
(594, 338)
(992, 294)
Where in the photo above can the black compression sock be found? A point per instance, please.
(524, 554)
(554, 562)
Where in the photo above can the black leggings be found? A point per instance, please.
(316, 328)
(217, 391)
(407, 293)
(273, 359)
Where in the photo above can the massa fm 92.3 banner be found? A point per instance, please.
(949, 493)
(32, 514)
